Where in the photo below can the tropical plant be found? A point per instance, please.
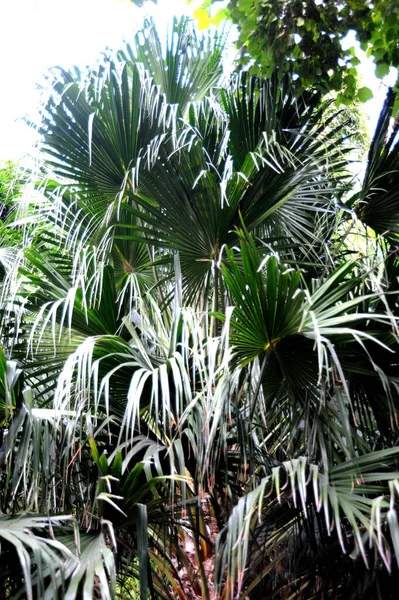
(308, 39)
(198, 380)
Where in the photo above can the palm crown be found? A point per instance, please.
(199, 384)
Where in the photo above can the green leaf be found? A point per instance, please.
(364, 94)
(381, 70)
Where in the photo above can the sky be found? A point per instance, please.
(38, 34)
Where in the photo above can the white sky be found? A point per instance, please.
(38, 34)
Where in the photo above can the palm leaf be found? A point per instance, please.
(377, 203)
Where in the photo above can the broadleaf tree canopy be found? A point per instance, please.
(305, 38)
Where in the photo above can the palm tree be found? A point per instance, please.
(198, 380)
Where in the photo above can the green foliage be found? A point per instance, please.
(304, 38)
(198, 374)
(12, 180)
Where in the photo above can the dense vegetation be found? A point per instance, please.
(305, 38)
(199, 370)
